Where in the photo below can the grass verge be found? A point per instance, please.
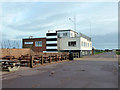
(99, 52)
(118, 52)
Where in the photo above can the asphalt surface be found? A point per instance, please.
(102, 72)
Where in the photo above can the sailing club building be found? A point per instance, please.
(61, 41)
(68, 41)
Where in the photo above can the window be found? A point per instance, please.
(28, 42)
(64, 34)
(84, 44)
(58, 35)
(38, 43)
(83, 53)
(88, 44)
(72, 43)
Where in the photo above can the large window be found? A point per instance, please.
(28, 42)
(72, 43)
(38, 43)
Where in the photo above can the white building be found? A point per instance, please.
(68, 41)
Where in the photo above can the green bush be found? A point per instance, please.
(118, 52)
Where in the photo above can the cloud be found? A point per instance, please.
(35, 19)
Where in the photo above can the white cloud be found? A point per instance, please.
(25, 19)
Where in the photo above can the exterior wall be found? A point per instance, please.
(63, 44)
(73, 34)
(33, 47)
(51, 42)
(85, 47)
(86, 52)
(58, 41)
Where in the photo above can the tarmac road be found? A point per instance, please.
(98, 71)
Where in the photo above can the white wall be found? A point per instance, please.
(63, 44)
(86, 41)
(72, 33)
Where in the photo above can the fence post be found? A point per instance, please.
(49, 59)
(31, 61)
(42, 60)
(61, 58)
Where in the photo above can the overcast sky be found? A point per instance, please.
(21, 20)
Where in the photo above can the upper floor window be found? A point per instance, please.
(88, 44)
(58, 34)
(38, 43)
(82, 43)
(72, 43)
(64, 34)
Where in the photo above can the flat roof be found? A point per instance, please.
(65, 30)
(32, 38)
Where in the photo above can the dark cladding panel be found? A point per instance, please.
(51, 34)
(51, 39)
(51, 50)
(51, 44)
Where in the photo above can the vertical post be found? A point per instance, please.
(61, 57)
(66, 56)
(49, 59)
(31, 61)
(56, 57)
(42, 60)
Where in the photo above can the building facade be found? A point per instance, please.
(36, 44)
(51, 42)
(69, 41)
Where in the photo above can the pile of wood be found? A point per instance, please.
(42, 59)
(35, 60)
(25, 60)
(8, 58)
